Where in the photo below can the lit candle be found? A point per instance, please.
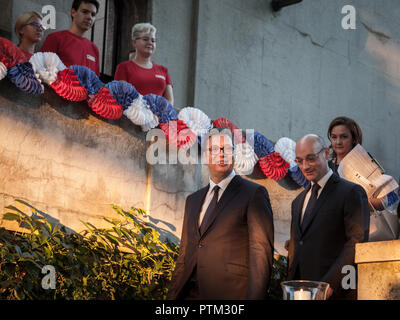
(302, 295)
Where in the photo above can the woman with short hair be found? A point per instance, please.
(146, 76)
(29, 30)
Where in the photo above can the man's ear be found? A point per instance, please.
(73, 13)
(327, 151)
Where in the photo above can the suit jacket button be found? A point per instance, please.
(200, 245)
(301, 242)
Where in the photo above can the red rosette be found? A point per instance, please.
(236, 132)
(105, 105)
(10, 54)
(274, 166)
(68, 86)
(178, 133)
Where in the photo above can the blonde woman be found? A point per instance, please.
(146, 76)
(29, 30)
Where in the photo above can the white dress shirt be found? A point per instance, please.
(223, 184)
(321, 182)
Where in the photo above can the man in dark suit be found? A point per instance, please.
(328, 219)
(226, 249)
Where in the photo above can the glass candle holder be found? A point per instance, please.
(304, 290)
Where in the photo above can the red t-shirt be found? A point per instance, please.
(27, 54)
(73, 50)
(146, 81)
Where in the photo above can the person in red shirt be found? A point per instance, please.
(29, 30)
(146, 76)
(70, 45)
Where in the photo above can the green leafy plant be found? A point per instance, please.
(125, 261)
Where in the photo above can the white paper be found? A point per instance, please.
(358, 167)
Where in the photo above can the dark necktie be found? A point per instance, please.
(210, 209)
(311, 201)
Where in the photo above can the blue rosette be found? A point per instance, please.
(262, 146)
(298, 177)
(123, 92)
(88, 79)
(161, 107)
(23, 76)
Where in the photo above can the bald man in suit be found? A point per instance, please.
(226, 249)
(328, 219)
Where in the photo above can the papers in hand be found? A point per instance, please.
(359, 167)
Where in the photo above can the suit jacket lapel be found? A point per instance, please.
(321, 199)
(197, 204)
(230, 191)
(298, 209)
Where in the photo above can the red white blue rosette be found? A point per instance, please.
(105, 105)
(286, 147)
(3, 71)
(68, 86)
(23, 77)
(88, 79)
(10, 54)
(236, 132)
(141, 115)
(274, 166)
(178, 133)
(46, 65)
(196, 120)
(245, 158)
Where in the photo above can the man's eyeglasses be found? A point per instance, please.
(310, 159)
(36, 25)
(215, 150)
(147, 39)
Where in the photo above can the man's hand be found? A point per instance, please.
(286, 245)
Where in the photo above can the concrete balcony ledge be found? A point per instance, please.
(378, 270)
(380, 251)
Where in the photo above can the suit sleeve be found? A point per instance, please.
(261, 244)
(178, 271)
(356, 223)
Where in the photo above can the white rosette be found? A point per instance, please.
(140, 114)
(46, 66)
(245, 158)
(3, 71)
(286, 147)
(196, 120)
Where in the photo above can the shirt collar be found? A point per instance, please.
(224, 183)
(322, 182)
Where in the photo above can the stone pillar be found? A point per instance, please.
(378, 270)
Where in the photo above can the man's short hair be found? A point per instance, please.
(215, 131)
(321, 141)
(77, 3)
